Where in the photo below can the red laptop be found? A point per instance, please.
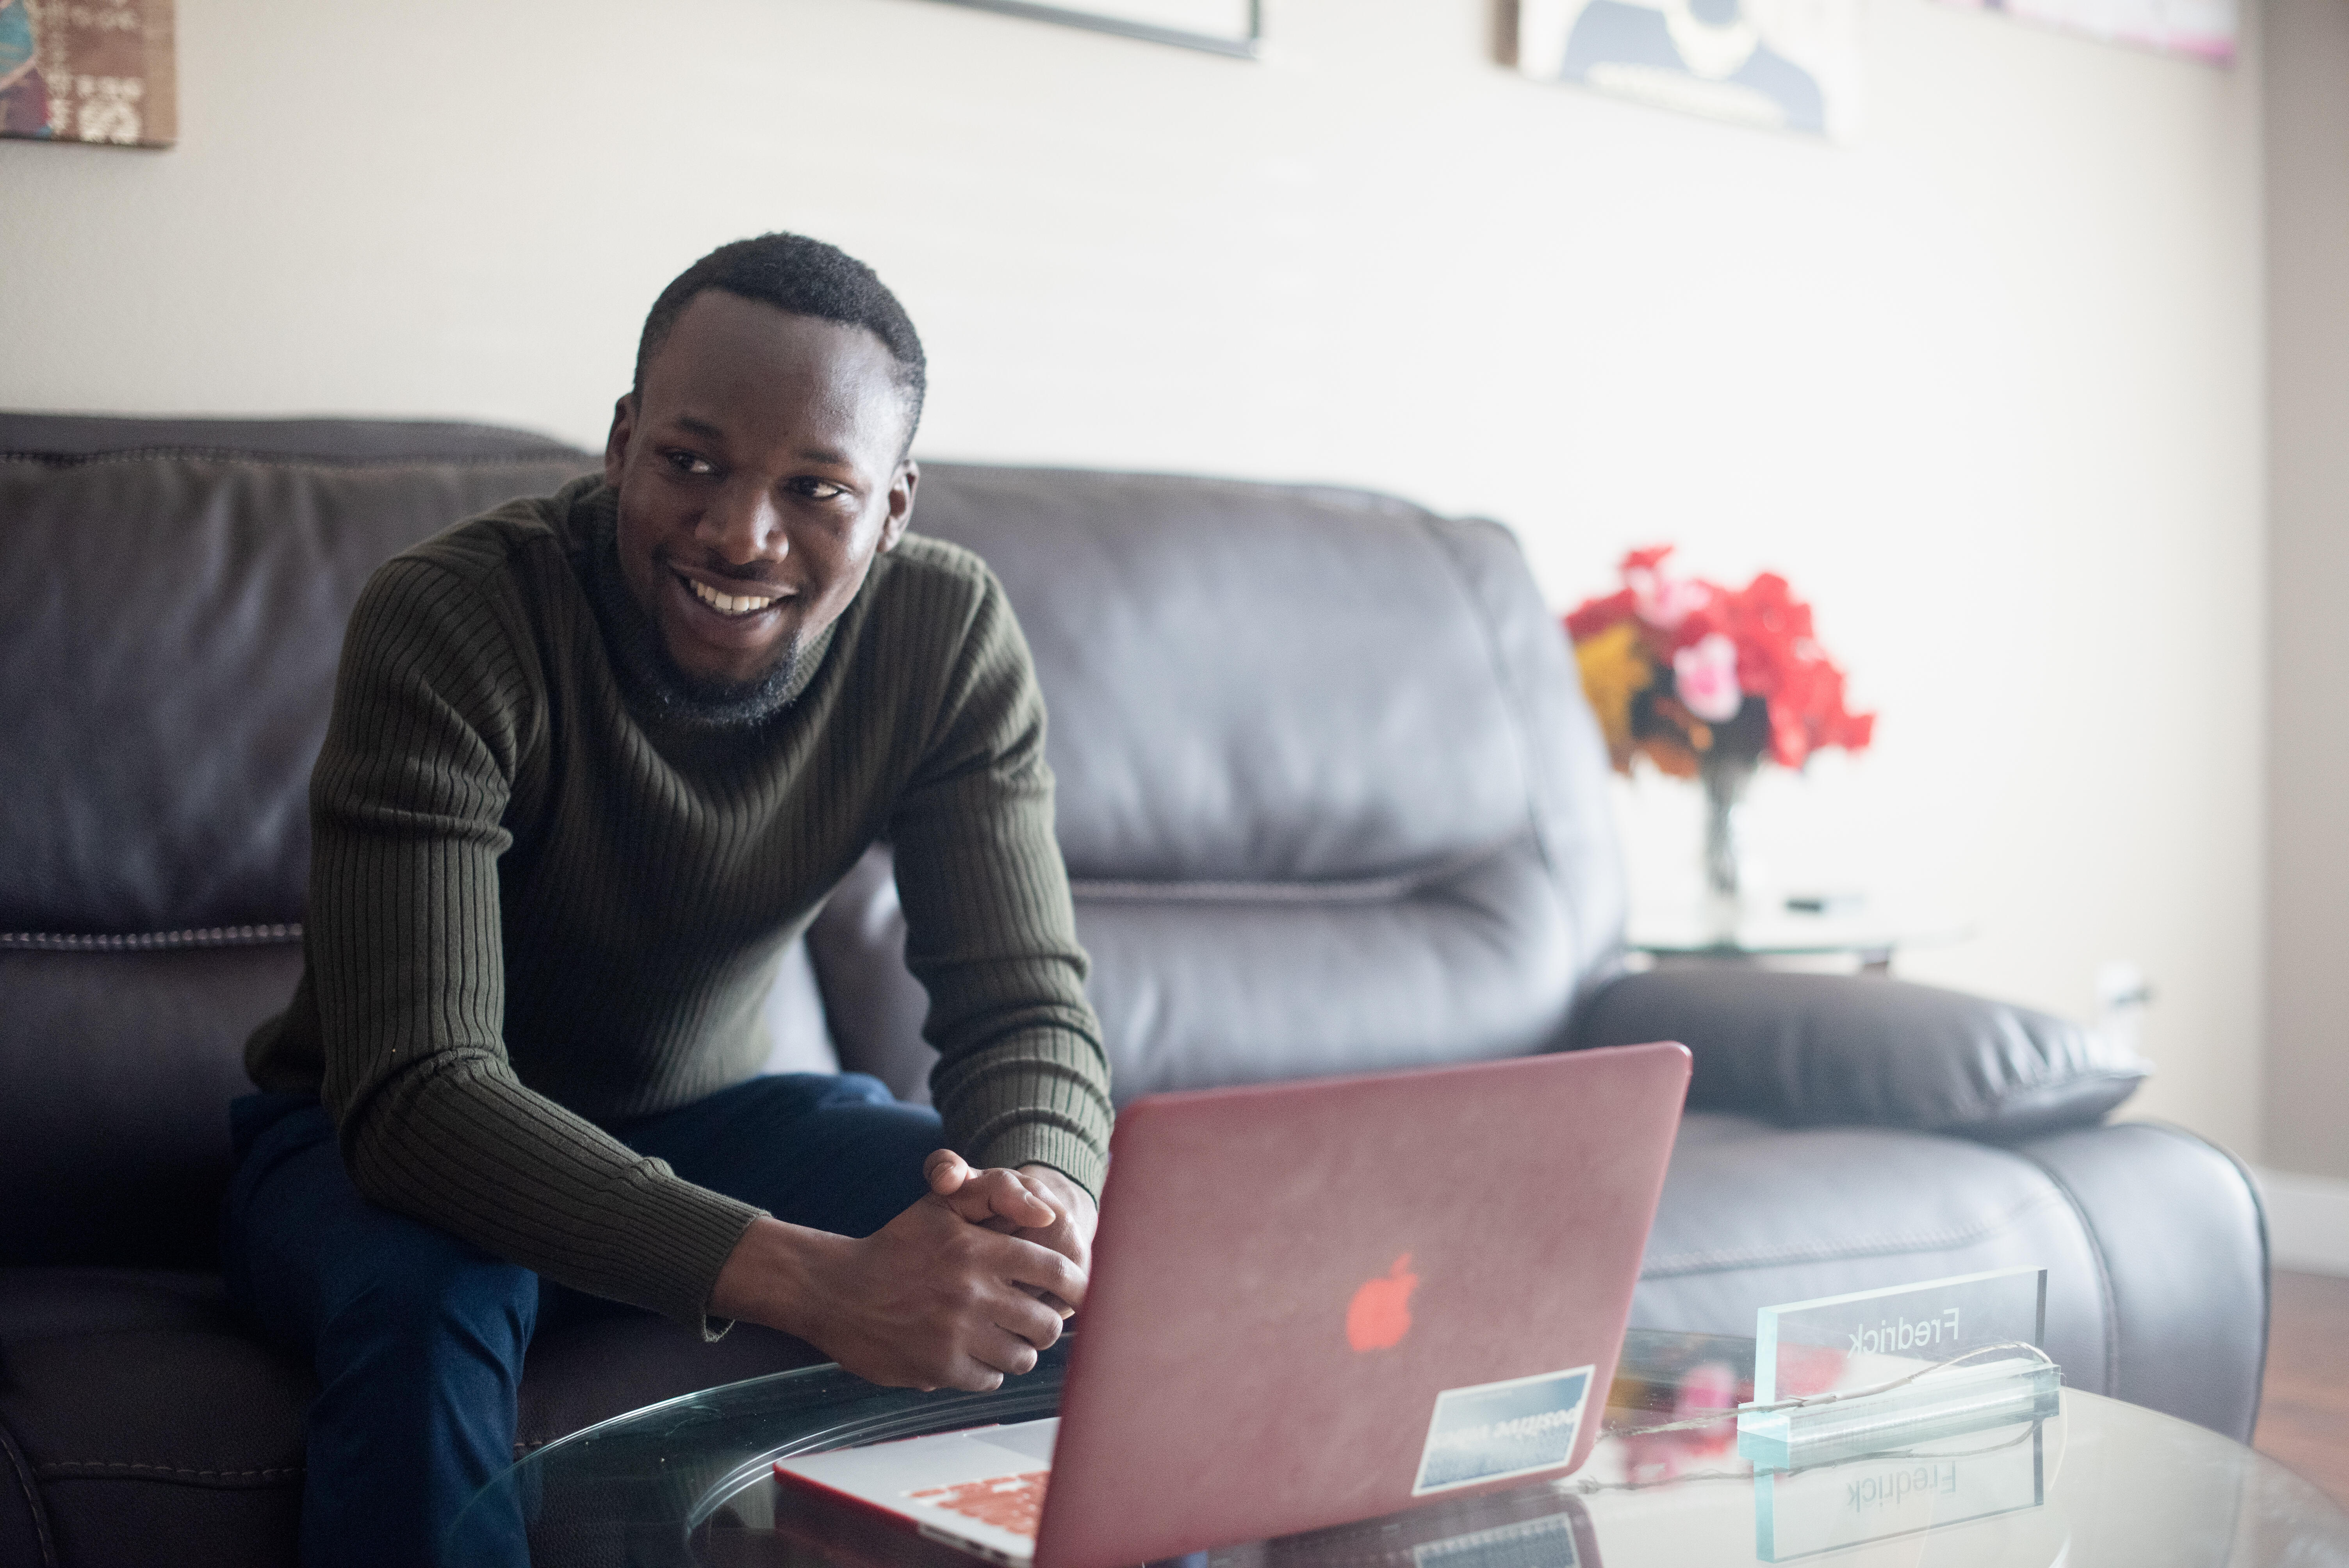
(1317, 1302)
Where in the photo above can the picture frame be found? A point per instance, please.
(1783, 64)
(1232, 27)
(2209, 31)
(90, 71)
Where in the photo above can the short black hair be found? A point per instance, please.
(805, 277)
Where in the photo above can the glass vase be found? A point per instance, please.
(1726, 779)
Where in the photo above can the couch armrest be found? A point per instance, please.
(1809, 1050)
(2181, 1251)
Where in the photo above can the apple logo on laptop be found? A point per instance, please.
(1379, 1315)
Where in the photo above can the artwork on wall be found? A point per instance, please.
(1223, 26)
(2204, 29)
(1789, 64)
(88, 70)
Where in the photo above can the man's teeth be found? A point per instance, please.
(728, 603)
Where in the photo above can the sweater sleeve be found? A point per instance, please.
(435, 702)
(1021, 1075)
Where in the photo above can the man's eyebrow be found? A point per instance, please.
(829, 456)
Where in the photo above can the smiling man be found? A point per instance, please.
(596, 761)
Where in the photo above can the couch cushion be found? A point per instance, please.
(1288, 684)
(143, 1414)
(176, 614)
(1199, 985)
(50, 1303)
(116, 1073)
(1809, 1050)
(1247, 683)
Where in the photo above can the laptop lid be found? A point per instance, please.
(1317, 1302)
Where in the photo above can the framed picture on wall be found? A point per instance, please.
(1223, 26)
(1792, 64)
(2204, 29)
(88, 70)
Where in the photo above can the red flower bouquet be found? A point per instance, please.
(1707, 681)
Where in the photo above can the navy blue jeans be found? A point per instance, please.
(418, 1337)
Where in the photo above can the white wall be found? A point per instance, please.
(2308, 389)
(1985, 383)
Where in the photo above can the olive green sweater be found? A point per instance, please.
(533, 908)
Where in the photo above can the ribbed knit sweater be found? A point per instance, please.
(535, 906)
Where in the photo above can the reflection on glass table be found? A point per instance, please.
(691, 1483)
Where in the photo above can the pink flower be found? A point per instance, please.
(1704, 674)
(1664, 602)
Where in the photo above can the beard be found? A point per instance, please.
(651, 676)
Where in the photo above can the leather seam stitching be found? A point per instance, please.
(1511, 695)
(2267, 1256)
(2106, 1302)
(33, 1502)
(1336, 499)
(1363, 890)
(280, 934)
(65, 1468)
(1678, 1264)
(1540, 779)
(1986, 1120)
(277, 461)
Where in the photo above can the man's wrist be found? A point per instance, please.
(771, 1277)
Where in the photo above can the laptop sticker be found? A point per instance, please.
(1490, 1431)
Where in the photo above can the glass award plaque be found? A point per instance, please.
(1846, 1376)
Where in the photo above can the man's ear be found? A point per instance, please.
(616, 445)
(901, 503)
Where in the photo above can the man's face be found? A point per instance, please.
(759, 471)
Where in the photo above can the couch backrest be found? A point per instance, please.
(172, 595)
(1328, 793)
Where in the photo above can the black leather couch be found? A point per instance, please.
(1330, 801)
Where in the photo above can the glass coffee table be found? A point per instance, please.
(690, 1482)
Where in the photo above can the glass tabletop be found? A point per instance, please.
(690, 1482)
(1783, 927)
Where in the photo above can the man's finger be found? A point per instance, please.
(1005, 1352)
(974, 1376)
(946, 1172)
(1018, 1314)
(1000, 1194)
(1017, 1200)
(1042, 1269)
